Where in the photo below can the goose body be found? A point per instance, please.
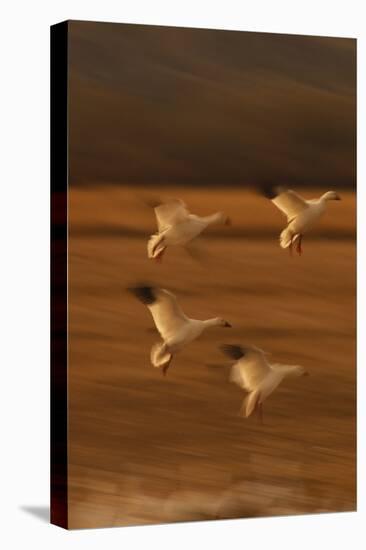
(254, 374)
(175, 328)
(301, 214)
(177, 226)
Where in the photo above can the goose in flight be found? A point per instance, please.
(175, 328)
(252, 372)
(301, 214)
(177, 226)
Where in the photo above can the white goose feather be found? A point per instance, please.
(301, 214)
(177, 226)
(175, 328)
(253, 373)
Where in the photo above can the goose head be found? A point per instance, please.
(298, 370)
(217, 322)
(331, 196)
(223, 218)
(290, 370)
(222, 322)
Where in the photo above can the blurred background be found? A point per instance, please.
(208, 116)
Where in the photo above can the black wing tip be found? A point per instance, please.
(268, 191)
(271, 191)
(152, 202)
(144, 293)
(234, 351)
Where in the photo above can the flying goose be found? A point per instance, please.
(175, 328)
(301, 214)
(177, 226)
(255, 375)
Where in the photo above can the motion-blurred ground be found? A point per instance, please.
(149, 449)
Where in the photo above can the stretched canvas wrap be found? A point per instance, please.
(203, 274)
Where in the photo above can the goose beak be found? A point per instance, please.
(227, 324)
(306, 373)
(337, 198)
(228, 221)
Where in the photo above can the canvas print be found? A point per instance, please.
(203, 274)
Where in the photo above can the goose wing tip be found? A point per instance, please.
(234, 351)
(271, 191)
(144, 293)
(152, 202)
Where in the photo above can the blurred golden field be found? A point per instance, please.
(144, 448)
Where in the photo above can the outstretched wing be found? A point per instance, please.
(251, 366)
(170, 213)
(290, 203)
(163, 305)
(286, 200)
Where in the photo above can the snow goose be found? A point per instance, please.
(177, 226)
(175, 328)
(301, 214)
(255, 375)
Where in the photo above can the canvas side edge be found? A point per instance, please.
(59, 236)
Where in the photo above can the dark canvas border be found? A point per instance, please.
(59, 236)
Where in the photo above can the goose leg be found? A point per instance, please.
(166, 366)
(159, 257)
(298, 246)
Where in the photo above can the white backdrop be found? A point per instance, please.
(24, 272)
